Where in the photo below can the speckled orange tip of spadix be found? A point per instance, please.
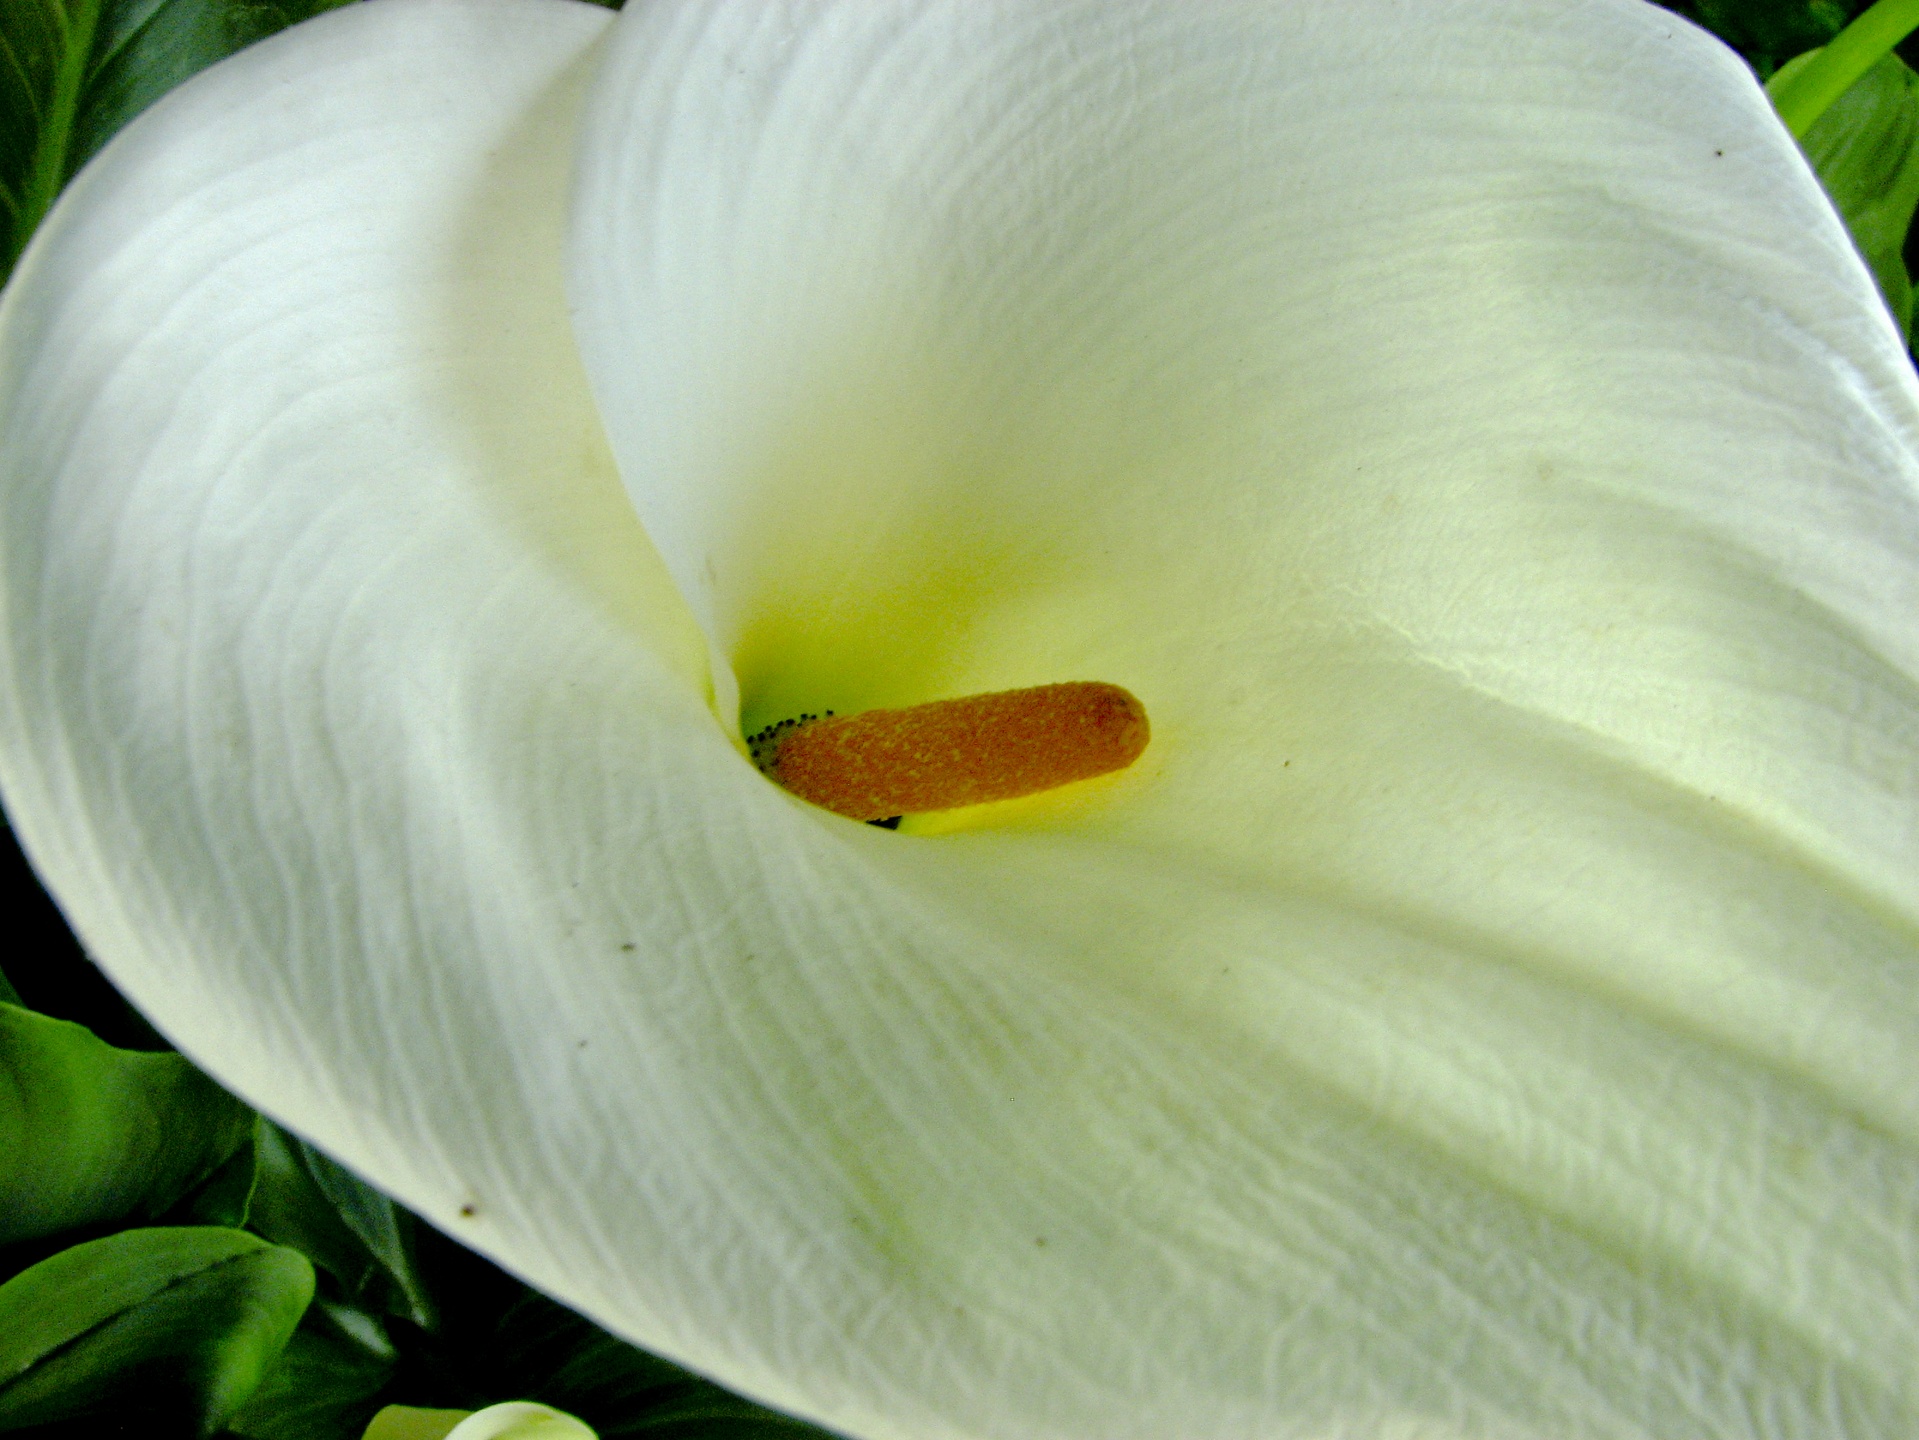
(939, 756)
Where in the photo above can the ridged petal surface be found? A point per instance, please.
(1487, 1010)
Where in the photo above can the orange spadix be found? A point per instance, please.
(938, 756)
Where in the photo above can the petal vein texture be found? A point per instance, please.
(429, 439)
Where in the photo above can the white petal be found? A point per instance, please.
(1474, 1074)
(520, 1420)
(1474, 438)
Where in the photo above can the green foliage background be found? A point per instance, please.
(1770, 32)
(75, 71)
(172, 1264)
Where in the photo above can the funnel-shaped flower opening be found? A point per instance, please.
(1488, 1005)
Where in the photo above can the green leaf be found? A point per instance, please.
(44, 50)
(72, 72)
(328, 1382)
(169, 1329)
(353, 1232)
(224, 1197)
(1802, 91)
(90, 1134)
(1768, 32)
(8, 995)
(1865, 149)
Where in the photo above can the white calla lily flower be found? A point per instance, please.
(510, 1420)
(520, 1420)
(1489, 1007)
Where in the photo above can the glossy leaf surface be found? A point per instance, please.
(1865, 149)
(166, 1329)
(303, 1199)
(90, 1134)
(326, 1384)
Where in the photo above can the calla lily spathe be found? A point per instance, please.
(1489, 1008)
